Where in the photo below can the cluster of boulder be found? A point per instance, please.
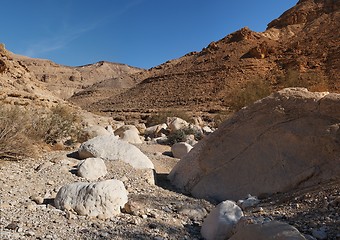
(102, 199)
(286, 141)
(227, 221)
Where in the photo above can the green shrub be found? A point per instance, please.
(311, 80)
(181, 135)
(250, 93)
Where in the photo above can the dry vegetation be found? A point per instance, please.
(21, 130)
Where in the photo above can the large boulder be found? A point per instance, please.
(111, 148)
(272, 230)
(92, 168)
(285, 141)
(103, 199)
(221, 221)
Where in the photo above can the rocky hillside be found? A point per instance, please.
(65, 81)
(19, 85)
(300, 48)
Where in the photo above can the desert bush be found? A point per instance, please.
(182, 134)
(21, 130)
(220, 117)
(250, 93)
(310, 80)
(58, 123)
(161, 117)
(14, 142)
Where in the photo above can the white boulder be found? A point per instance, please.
(124, 128)
(91, 168)
(111, 148)
(93, 131)
(103, 199)
(180, 149)
(220, 222)
(175, 123)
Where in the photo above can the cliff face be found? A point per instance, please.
(19, 86)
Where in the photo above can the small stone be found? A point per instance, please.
(12, 226)
(50, 182)
(159, 238)
(48, 236)
(144, 216)
(30, 234)
(43, 166)
(124, 179)
(37, 199)
(31, 207)
(257, 209)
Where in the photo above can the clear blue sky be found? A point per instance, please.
(142, 33)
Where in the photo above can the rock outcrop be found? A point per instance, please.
(285, 141)
(103, 199)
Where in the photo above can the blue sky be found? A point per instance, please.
(141, 33)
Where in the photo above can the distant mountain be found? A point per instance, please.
(301, 46)
(64, 81)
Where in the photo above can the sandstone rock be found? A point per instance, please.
(250, 201)
(196, 213)
(111, 148)
(109, 129)
(207, 130)
(221, 220)
(119, 132)
(180, 149)
(131, 136)
(154, 131)
(2, 66)
(175, 123)
(91, 168)
(141, 127)
(268, 230)
(283, 142)
(92, 132)
(103, 199)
